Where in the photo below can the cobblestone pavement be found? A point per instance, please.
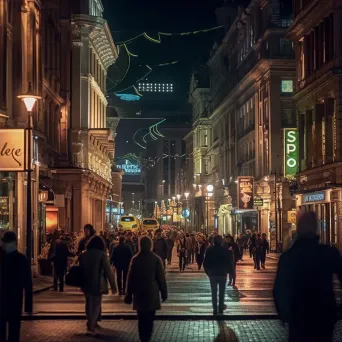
(168, 331)
(189, 294)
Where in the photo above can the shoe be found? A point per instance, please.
(230, 283)
(235, 287)
(224, 307)
(90, 333)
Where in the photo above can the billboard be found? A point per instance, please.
(130, 167)
(245, 192)
(290, 151)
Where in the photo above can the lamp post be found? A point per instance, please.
(210, 189)
(29, 100)
(178, 223)
(186, 195)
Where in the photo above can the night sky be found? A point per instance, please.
(129, 18)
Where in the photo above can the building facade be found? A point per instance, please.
(315, 32)
(252, 73)
(30, 57)
(72, 146)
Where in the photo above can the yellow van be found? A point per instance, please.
(129, 223)
(149, 224)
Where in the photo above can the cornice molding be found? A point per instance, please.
(97, 29)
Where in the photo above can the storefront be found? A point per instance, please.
(7, 201)
(326, 204)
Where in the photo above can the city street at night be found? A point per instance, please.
(189, 295)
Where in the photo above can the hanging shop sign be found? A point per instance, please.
(290, 151)
(12, 150)
(314, 197)
(245, 192)
(291, 216)
(258, 202)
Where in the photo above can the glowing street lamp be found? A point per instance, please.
(29, 99)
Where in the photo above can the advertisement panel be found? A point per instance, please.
(12, 149)
(245, 192)
(290, 151)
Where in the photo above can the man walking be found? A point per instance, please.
(120, 259)
(129, 242)
(303, 290)
(217, 264)
(15, 279)
(145, 285)
(160, 246)
(59, 256)
(170, 245)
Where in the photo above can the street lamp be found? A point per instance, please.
(210, 189)
(186, 195)
(29, 100)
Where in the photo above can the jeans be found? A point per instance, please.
(93, 309)
(182, 262)
(145, 324)
(221, 282)
(232, 275)
(169, 256)
(58, 277)
(257, 260)
(121, 277)
(11, 326)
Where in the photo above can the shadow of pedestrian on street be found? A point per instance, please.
(225, 334)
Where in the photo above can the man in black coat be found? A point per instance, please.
(170, 245)
(59, 256)
(89, 231)
(15, 278)
(303, 289)
(218, 263)
(120, 259)
(160, 246)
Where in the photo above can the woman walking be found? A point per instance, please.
(96, 274)
(200, 251)
(146, 279)
(182, 250)
(234, 249)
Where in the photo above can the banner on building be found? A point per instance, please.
(12, 149)
(290, 151)
(245, 192)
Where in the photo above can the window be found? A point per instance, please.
(287, 86)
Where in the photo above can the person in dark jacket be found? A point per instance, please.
(129, 242)
(170, 245)
(251, 244)
(217, 264)
(200, 251)
(15, 279)
(89, 231)
(59, 257)
(257, 252)
(120, 259)
(146, 283)
(97, 273)
(234, 249)
(265, 249)
(303, 290)
(160, 246)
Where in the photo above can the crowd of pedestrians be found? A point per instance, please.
(303, 289)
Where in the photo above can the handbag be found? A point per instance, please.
(75, 276)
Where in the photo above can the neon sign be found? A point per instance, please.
(291, 151)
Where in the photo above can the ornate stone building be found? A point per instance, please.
(316, 32)
(251, 86)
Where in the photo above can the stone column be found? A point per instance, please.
(3, 55)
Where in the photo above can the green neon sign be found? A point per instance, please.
(290, 151)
